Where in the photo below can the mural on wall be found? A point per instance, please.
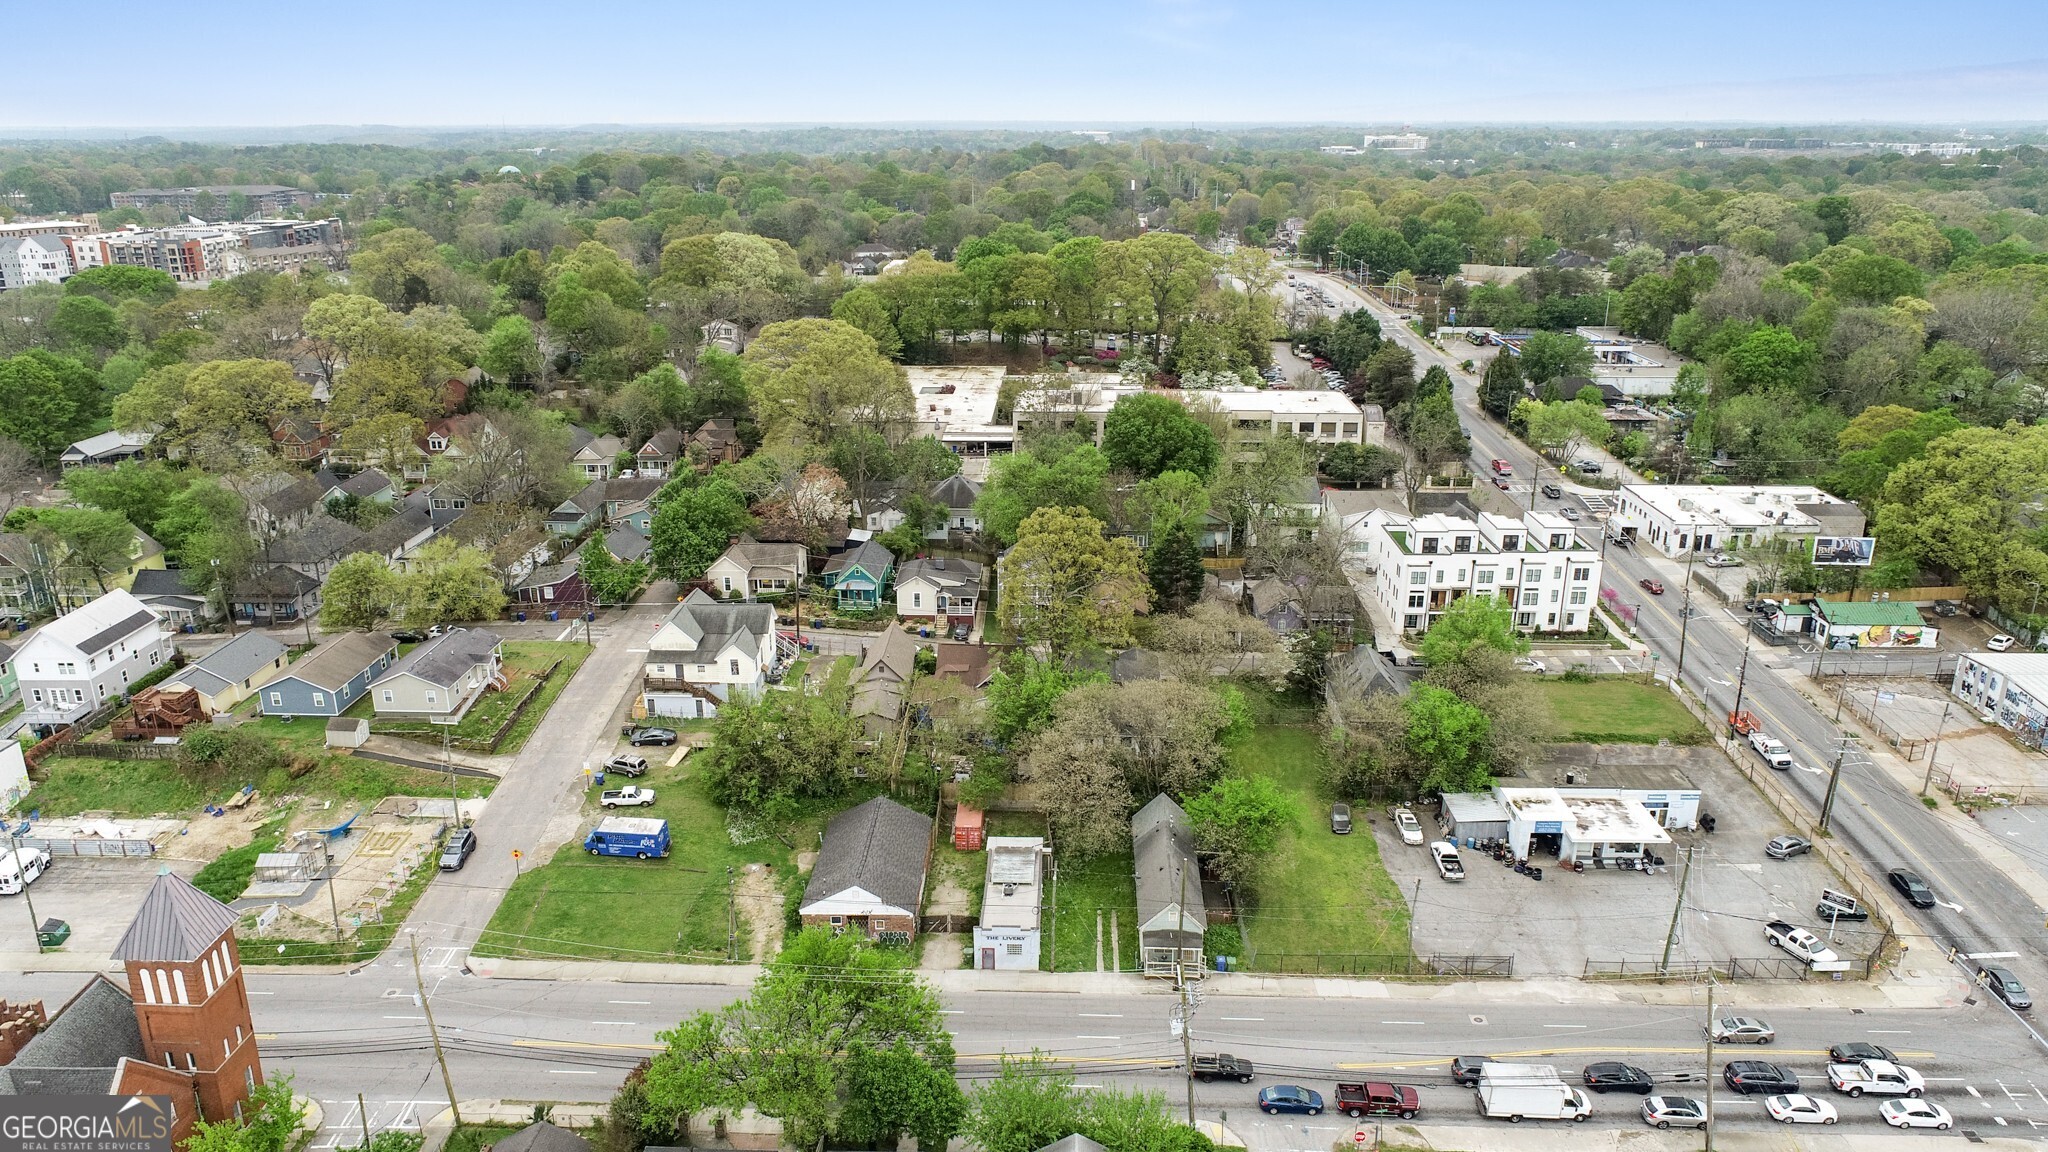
(1890, 636)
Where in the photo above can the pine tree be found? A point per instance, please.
(1502, 386)
(1174, 566)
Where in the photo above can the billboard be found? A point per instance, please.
(1843, 551)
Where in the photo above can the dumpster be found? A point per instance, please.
(53, 933)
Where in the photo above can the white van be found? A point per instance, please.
(15, 864)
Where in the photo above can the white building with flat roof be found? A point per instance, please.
(1322, 416)
(1415, 566)
(1677, 518)
(1006, 937)
(957, 405)
(2010, 688)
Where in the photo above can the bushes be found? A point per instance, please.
(228, 875)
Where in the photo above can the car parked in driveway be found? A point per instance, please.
(1741, 1030)
(1409, 827)
(1749, 1076)
(1681, 1111)
(1799, 942)
(1653, 587)
(1614, 1076)
(1786, 847)
(2006, 986)
(1290, 1098)
(627, 765)
(1796, 1108)
(646, 736)
(1911, 886)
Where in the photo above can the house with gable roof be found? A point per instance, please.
(869, 877)
(442, 678)
(706, 653)
(858, 576)
(751, 568)
(84, 658)
(658, 456)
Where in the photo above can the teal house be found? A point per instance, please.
(859, 575)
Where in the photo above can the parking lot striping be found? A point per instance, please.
(1972, 1090)
(1567, 1025)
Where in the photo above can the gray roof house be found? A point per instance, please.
(578, 512)
(399, 535)
(870, 871)
(165, 592)
(325, 681)
(314, 547)
(751, 568)
(958, 494)
(234, 671)
(593, 455)
(882, 683)
(105, 448)
(1171, 914)
(440, 679)
(81, 1050)
(706, 652)
(626, 545)
(541, 1136)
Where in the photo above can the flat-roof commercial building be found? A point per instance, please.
(1677, 518)
(2006, 688)
(1417, 565)
(1006, 937)
(1596, 826)
(260, 197)
(1321, 416)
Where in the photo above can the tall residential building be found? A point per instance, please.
(261, 198)
(197, 252)
(26, 260)
(1417, 565)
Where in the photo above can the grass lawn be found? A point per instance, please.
(585, 907)
(147, 787)
(1613, 710)
(1081, 891)
(572, 656)
(1320, 894)
(525, 661)
(471, 1137)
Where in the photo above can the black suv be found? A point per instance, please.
(1747, 1076)
(1465, 1070)
(1613, 1076)
(1857, 1050)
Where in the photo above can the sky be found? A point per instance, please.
(1123, 62)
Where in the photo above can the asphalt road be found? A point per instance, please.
(1885, 825)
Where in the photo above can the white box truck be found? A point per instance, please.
(1515, 1092)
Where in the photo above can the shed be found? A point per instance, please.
(1172, 916)
(969, 829)
(347, 732)
(1475, 816)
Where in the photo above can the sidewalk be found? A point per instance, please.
(1587, 1138)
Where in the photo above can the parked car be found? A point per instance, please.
(1723, 560)
(1614, 1076)
(2006, 987)
(1465, 1070)
(1786, 847)
(1530, 664)
(1374, 1098)
(1340, 819)
(461, 844)
(1409, 827)
(1741, 1030)
(1665, 1111)
(1588, 467)
(1857, 1050)
(1944, 607)
(1569, 513)
(1748, 1076)
(1222, 1066)
(1911, 886)
(1553, 491)
(409, 636)
(1915, 1114)
(627, 765)
(631, 796)
(2000, 642)
(1653, 587)
(1448, 865)
(646, 736)
(1800, 1109)
(1291, 1098)
(1800, 942)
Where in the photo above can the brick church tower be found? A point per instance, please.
(185, 976)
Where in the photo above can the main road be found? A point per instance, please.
(1980, 910)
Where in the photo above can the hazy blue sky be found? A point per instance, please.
(1151, 61)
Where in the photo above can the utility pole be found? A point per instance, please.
(35, 926)
(1678, 907)
(1413, 910)
(1710, 1066)
(1685, 608)
(1827, 807)
(1929, 781)
(364, 1113)
(1741, 679)
(331, 905)
(427, 1007)
(1185, 1010)
(732, 921)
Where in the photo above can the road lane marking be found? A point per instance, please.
(629, 1001)
(619, 1023)
(952, 1012)
(1972, 1090)
(1417, 1023)
(572, 1071)
(420, 1018)
(1566, 1025)
(1891, 1031)
(1085, 1037)
(1101, 1015)
(1244, 1019)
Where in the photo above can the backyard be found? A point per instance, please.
(526, 661)
(1617, 710)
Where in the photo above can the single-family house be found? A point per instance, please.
(973, 665)
(164, 591)
(400, 535)
(370, 486)
(80, 579)
(637, 515)
(314, 548)
(706, 653)
(628, 492)
(870, 873)
(750, 568)
(84, 658)
(716, 441)
(557, 586)
(658, 456)
(299, 439)
(439, 680)
(1006, 933)
(572, 517)
(286, 504)
(724, 335)
(232, 672)
(27, 577)
(957, 494)
(10, 686)
(1286, 610)
(275, 595)
(105, 448)
(868, 259)
(1172, 918)
(881, 685)
(596, 457)
(541, 1136)
(330, 678)
(626, 545)
(883, 512)
(858, 575)
(942, 589)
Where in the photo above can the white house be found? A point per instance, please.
(91, 655)
(1677, 518)
(750, 568)
(957, 494)
(706, 653)
(944, 589)
(1006, 935)
(26, 260)
(1417, 565)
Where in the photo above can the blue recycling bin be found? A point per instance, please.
(519, 616)
(589, 617)
(553, 615)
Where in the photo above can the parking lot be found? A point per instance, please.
(1554, 926)
(98, 897)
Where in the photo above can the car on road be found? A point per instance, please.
(1786, 847)
(1340, 819)
(1530, 664)
(1771, 749)
(1222, 1066)
(1653, 587)
(1409, 827)
(2006, 986)
(1682, 1111)
(1465, 1070)
(1569, 513)
(646, 736)
(2000, 642)
(1500, 482)
(1614, 1076)
(627, 765)
(1799, 942)
(1503, 468)
(1588, 467)
(1292, 1098)
(1857, 1050)
(1911, 886)
(1800, 1109)
(1747, 1076)
(1553, 491)
(1915, 1114)
(461, 844)
(1740, 1030)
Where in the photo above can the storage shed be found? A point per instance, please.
(1475, 816)
(969, 829)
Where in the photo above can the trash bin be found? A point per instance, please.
(589, 616)
(519, 616)
(553, 615)
(53, 933)
(1223, 963)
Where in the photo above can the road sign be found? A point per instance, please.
(1358, 1137)
(515, 855)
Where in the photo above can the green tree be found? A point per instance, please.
(511, 351)
(811, 378)
(89, 325)
(778, 753)
(1966, 507)
(220, 400)
(1501, 388)
(1022, 482)
(691, 527)
(1164, 272)
(139, 491)
(1469, 621)
(117, 282)
(1548, 356)
(609, 581)
(1564, 428)
(1868, 278)
(1448, 738)
(401, 267)
(898, 1091)
(1150, 434)
(1237, 824)
(35, 408)
(1174, 569)
(1024, 690)
(1067, 584)
(360, 591)
(865, 309)
(1768, 359)
(451, 583)
(1030, 1103)
(269, 1121)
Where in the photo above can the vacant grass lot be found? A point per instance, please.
(1082, 891)
(1613, 710)
(147, 787)
(585, 907)
(525, 661)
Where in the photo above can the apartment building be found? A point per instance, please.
(1417, 565)
(26, 260)
(1677, 518)
(260, 198)
(193, 253)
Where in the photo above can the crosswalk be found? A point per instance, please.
(344, 1122)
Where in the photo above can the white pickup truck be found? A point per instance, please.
(1774, 753)
(631, 796)
(1877, 1077)
(1800, 943)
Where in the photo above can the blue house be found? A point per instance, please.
(859, 575)
(331, 677)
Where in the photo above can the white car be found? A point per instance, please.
(1411, 828)
(1915, 1114)
(2000, 642)
(1530, 664)
(1799, 942)
(1800, 1110)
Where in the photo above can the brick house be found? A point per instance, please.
(870, 873)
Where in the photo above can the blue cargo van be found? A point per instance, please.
(638, 836)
